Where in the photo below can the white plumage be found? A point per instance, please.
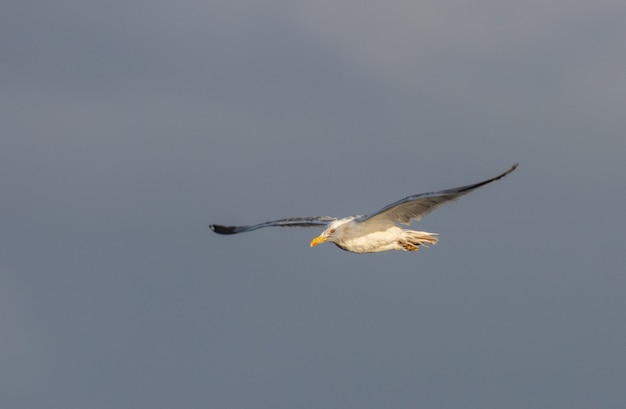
(379, 231)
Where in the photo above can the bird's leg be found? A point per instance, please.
(408, 246)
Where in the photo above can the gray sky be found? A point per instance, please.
(128, 126)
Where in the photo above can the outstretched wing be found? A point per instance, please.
(320, 221)
(413, 208)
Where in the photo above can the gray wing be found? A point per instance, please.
(319, 221)
(413, 208)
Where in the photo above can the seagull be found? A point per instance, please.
(378, 231)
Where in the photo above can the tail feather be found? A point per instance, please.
(413, 239)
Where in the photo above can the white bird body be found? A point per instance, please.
(378, 231)
(350, 235)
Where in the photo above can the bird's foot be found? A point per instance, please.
(408, 246)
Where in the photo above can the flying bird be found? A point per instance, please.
(378, 231)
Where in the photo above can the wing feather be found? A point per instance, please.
(413, 208)
(319, 221)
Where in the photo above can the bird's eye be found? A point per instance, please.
(331, 231)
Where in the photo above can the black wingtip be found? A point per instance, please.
(219, 229)
(511, 169)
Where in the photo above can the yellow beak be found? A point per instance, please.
(318, 240)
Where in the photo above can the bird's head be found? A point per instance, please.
(333, 232)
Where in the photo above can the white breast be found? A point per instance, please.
(354, 238)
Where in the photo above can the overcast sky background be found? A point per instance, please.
(126, 127)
